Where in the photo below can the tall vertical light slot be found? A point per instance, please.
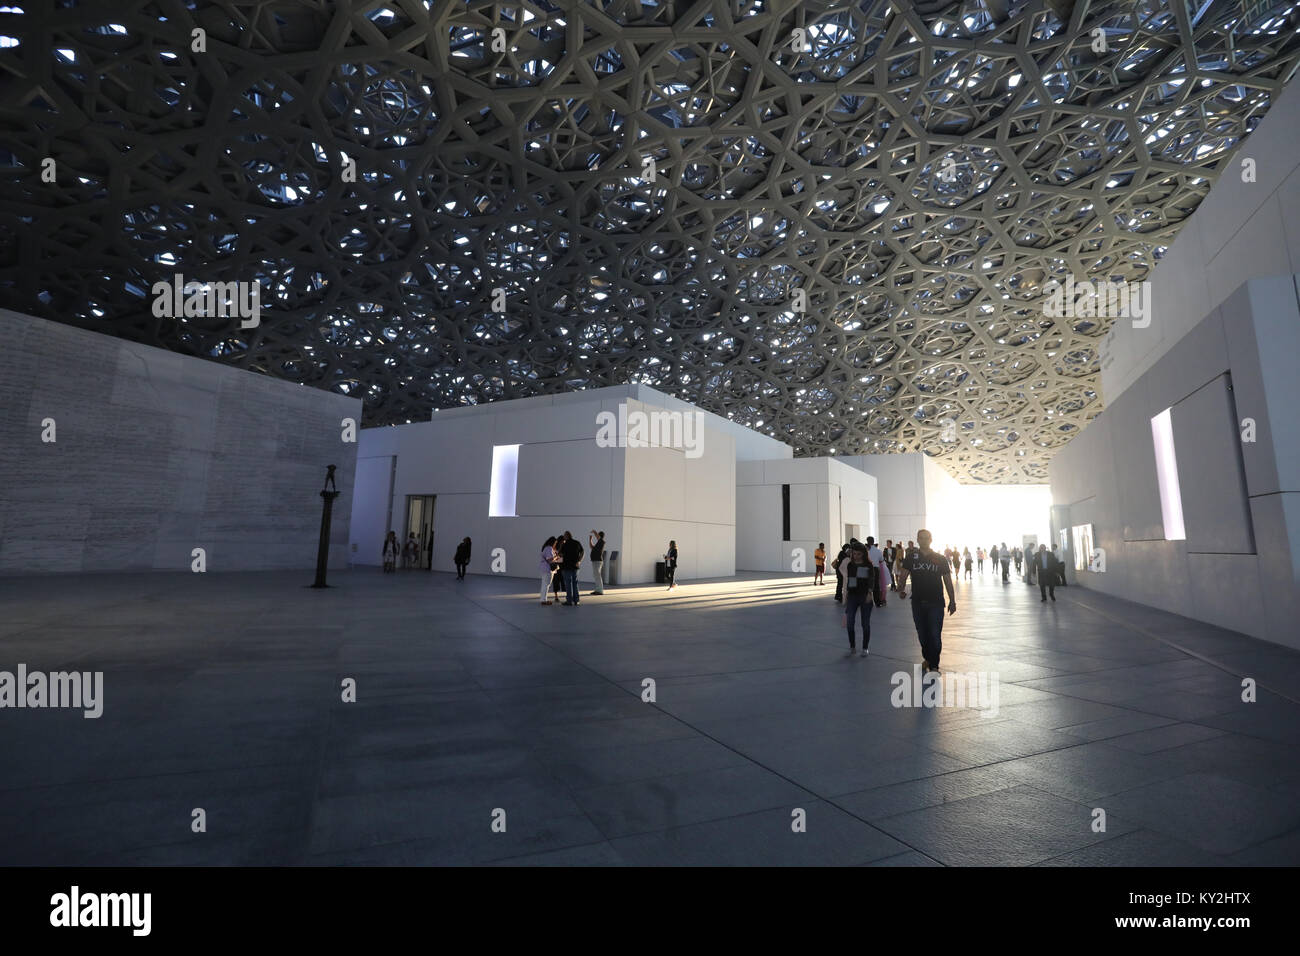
(871, 519)
(505, 477)
(1171, 499)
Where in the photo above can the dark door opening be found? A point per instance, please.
(419, 527)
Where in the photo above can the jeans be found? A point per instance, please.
(852, 605)
(928, 619)
(671, 573)
(570, 576)
(1047, 583)
(1006, 570)
(598, 571)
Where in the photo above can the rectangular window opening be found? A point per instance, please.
(785, 512)
(505, 477)
(1171, 498)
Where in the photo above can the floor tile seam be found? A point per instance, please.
(751, 760)
(1218, 665)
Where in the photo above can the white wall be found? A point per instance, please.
(1240, 231)
(1237, 567)
(901, 490)
(640, 497)
(669, 496)
(750, 445)
(156, 454)
(825, 494)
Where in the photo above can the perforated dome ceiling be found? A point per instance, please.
(918, 175)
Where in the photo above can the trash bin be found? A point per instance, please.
(611, 568)
(661, 572)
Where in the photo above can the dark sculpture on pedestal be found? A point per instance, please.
(327, 509)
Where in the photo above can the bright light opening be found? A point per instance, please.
(505, 477)
(1171, 499)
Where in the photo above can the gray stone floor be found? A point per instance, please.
(222, 692)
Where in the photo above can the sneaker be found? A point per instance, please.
(1053, 597)
(851, 652)
(1044, 600)
(864, 652)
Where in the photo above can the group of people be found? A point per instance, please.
(560, 560)
(408, 552)
(864, 574)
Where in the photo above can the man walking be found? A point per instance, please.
(1005, 557)
(1045, 565)
(597, 542)
(571, 561)
(1018, 554)
(932, 576)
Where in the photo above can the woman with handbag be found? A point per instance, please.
(670, 564)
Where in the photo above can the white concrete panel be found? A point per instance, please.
(1133, 449)
(803, 511)
(158, 454)
(1220, 586)
(709, 493)
(1257, 248)
(565, 478)
(655, 483)
(758, 527)
(1277, 332)
(1212, 481)
(370, 505)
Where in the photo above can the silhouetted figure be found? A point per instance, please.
(462, 559)
(1045, 565)
(392, 551)
(931, 577)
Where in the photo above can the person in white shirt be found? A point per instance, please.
(545, 566)
(877, 558)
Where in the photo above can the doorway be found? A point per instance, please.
(419, 522)
(851, 532)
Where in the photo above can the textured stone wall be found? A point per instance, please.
(156, 454)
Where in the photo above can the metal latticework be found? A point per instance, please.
(831, 220)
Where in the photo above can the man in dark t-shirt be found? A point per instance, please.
(930, 575)
(570, 560)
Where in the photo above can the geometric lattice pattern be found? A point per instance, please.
(844, 245)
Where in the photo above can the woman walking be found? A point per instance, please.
(968, 563)
(462, 559)
(861, 592)
(670, 564)
(392, 548)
